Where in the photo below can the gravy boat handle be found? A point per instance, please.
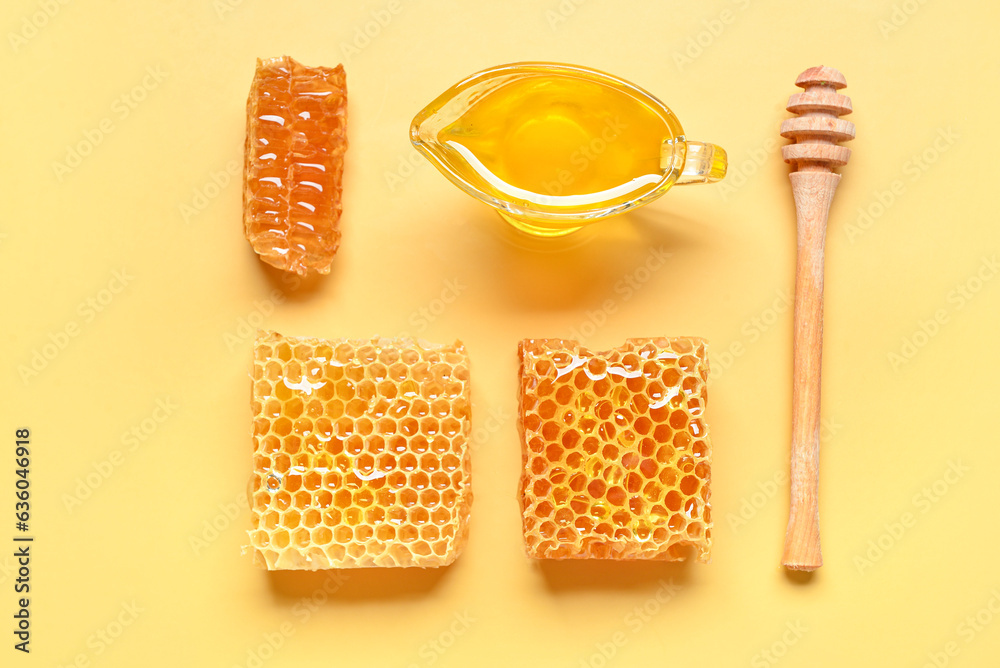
(703, 163)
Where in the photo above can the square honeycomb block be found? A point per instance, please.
(361, 453)
(617, 459)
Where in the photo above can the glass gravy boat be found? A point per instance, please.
(555, 147)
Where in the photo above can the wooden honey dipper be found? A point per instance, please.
(816, 131)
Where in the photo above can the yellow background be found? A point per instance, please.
(918, 73)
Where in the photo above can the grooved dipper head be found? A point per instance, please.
(818, 128)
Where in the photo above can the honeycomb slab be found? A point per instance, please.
(617, 458)
(294, 164)
(361, 453)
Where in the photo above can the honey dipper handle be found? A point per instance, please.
(813, 191)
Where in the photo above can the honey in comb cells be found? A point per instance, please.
(360, 453)
(616, 453)
(294, 163)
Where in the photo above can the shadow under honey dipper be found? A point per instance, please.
(799, 578)
(354, 584)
